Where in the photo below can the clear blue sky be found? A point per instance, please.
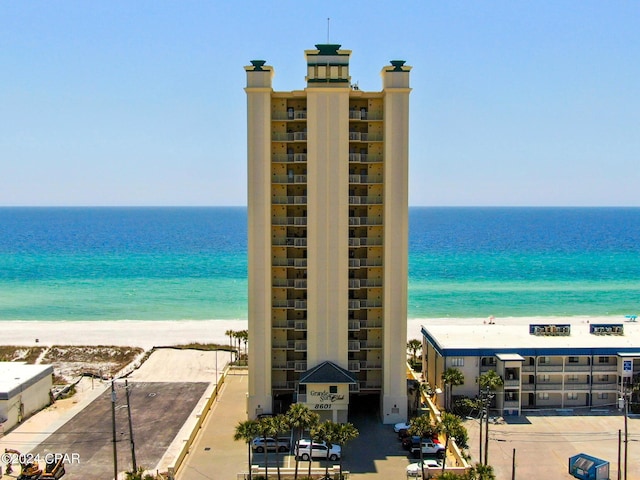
(142, 102)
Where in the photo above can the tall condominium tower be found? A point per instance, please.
(328, 239)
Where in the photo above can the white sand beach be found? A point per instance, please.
(156, 333)
(132, 333)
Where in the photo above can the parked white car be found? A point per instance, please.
(430, 466)
(401, 426)
(260, 444)
(320, 450)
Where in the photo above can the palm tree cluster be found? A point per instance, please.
(298, 419)
(239, 337)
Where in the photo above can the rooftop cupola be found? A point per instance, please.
(328, 66)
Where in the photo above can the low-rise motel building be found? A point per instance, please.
(571, 363)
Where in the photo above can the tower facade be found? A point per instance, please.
(328, 239)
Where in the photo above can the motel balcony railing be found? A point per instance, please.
(549, 386)
(605, 368)
(549, 368)
(512, 383)
(612, 386)
(577, 368)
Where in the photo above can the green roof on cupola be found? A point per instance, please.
(328, 48)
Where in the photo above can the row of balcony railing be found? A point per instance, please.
(302, 137)
(572, 386)
(353, 388)
(354, 283)
(302, 200)
(353, 179)
(301, 242)
(302, 157)
(354, 114)
(302, 222)
(301, 325)
(570, 368)
(301, 366)
(301, 345)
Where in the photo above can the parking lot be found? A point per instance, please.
(543, 443)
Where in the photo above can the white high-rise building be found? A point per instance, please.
(328, 239)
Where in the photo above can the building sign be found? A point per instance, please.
(550, 329)
(324, 400)
(627, 368)
(607, 329)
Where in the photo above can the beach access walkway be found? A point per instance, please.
(214, 454)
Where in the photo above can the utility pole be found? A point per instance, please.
(619, 454)
(626, 431)
(113, 424)
(481, 417)
(133, 445)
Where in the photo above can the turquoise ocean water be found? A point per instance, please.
(191, 263)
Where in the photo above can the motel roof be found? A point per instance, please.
(585, 336)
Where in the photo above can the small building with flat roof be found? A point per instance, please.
(560, 363)
(24, 389)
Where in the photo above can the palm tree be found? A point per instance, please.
(423, 427)
(243, 335)
(229, 333)
(341, 434)
(451, 377)
(413, 346)
(321, 433)
(279, 424)
(246, 431)
(422, 388)
(300, 418)
(450, 424)
(265, 429)
(481, 472)
(490, 380)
